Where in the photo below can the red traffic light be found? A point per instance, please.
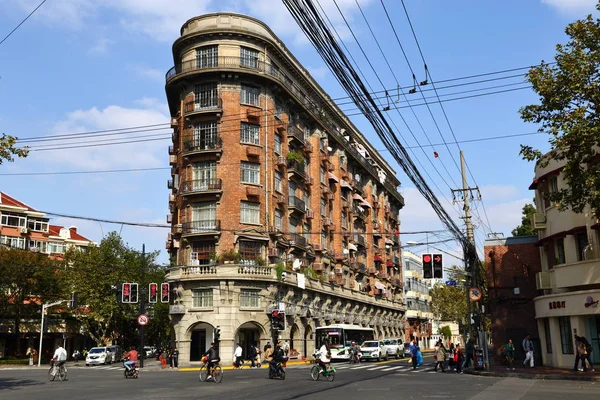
(275, 313)
(126, 289)
(153, 289)
(427, 258)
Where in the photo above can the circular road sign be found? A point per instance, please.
(142, 319)
(475, 294)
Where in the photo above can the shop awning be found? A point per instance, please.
(366, 204)
(250, 235)
(352, 246)
(345, 184)
(544, 177)
(551, 237)
(378, 258)
(595, 226)
(358, 197)
(333, 177)
(573, 231)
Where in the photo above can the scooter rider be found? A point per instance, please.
(278, 357)
(355, 350)
(132, 358)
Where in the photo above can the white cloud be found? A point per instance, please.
(143, 71)
(572, 7)
(101, 47)
(132, 155)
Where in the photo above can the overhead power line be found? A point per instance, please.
(22, 22)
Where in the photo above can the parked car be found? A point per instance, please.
(98, 355)
(149, 351)
(395, 347)
(407, 352)
(116, 354)
(374, 349)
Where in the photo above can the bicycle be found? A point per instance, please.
(316, 371)
(216, 372)
(61, 373)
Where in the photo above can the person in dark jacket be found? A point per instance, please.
(278, 357)
(212, 358)
(470, 348)
(252, 355)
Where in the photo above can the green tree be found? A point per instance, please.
(26, 280)
(449, 303)
(569, 92)
(94, 273)
(8, 150)
(525, 229)
(445, 331)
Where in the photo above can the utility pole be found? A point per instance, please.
(465, 195)
(142, 294)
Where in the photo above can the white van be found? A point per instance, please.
(98, 355)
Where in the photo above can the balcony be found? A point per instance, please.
(310, 214)
(295, 133)
(307, 148)
(296, 204)
(360, 240)
(195, 144)
(172, 159)
(297, 240)
(297, 169)
(170, 184)
(169, 218)
(172, 151)
(580, 273)
(201, 227)
(209, 105)
(538, 221)
(252, 191)
(202, 186)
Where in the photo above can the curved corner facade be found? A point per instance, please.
(569, 284)
(277, 202)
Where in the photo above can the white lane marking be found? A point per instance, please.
(392, 368)
(361, 367)
(376, 368)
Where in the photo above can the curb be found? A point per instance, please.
(534, 376)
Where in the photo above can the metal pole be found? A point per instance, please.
(41, 336)
(142, 292)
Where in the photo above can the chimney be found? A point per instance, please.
(73, 229)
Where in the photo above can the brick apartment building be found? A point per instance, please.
(269, 176)
(23, 227)
(512, 264)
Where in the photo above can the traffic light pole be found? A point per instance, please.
(142, 293)
(44, 308)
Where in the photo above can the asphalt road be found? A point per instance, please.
(367, 381)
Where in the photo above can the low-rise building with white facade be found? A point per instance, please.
(418, 300)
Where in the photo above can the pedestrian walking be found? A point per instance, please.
(237, 356)
(509, 353)
(470, 349)
(163, 358)
(252, 355)
(76, 356)
(440, 357)
(414, 349)
(583, 350)
(458, 358)
(175, 358)
(267, 346)
(528, 349)
(451, 362)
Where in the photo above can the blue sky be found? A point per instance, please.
(85, 65)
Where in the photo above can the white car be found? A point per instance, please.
(395, 347)
(374, 349)
(98, 355)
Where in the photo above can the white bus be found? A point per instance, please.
(340, 337)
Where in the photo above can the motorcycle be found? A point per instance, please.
(134, 372)
(278, 371)
(354, 356)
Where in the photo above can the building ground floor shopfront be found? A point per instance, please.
(562, 316)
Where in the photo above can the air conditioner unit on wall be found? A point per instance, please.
(24, 231)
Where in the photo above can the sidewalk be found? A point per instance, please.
(148, 365)
(547, 373)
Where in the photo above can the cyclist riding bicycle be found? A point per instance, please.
(324, 355)
(132, 358)
(212, 358)
(59, 358)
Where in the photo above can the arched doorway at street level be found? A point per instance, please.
(201, 335)
(295, 339)
(249, 334)
(309, 342)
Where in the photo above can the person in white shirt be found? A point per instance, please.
(237, 355)
(59, 358)
(324, 356)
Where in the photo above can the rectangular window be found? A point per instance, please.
(322, 144)
(10, 219)
(344, 220)
(56, 247)
(206, 96)
(250, 95)
(249, 298)
(250, 251)
(548, 336)
(39, 246)
(202, 298)
(279, 181)
(37, 225)
(581, 240)
(205, 176)
(204, 217)
(278, 219)
(250, 172)
(250, 212)
(207, 57)
(202, 253)
(205, 137)
(249, 133)
(324, 238)
(560, 251)
(566, 339)
(248, 57)
(277, 140)
(553, 184)
(13, 242)
(322, 175)
(323, 207)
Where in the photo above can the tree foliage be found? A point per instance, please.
(445, 331)
(449, 303)
(8, 150)
(568, 111)
(27, 280)
(93, 275)
(525, 229)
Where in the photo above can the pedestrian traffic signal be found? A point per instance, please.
(73, 301)
(126, 293)
(164, 292)
(278, 320)
(438, 270)
(153, 293)
(134, 292)
(217, 334)
(427, 266)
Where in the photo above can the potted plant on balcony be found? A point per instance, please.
(260, 261)
(229, 257)
(294, 156)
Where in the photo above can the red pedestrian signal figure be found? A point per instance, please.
(153, 293)
(126, 297)
(164, 298)
(427, 266)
